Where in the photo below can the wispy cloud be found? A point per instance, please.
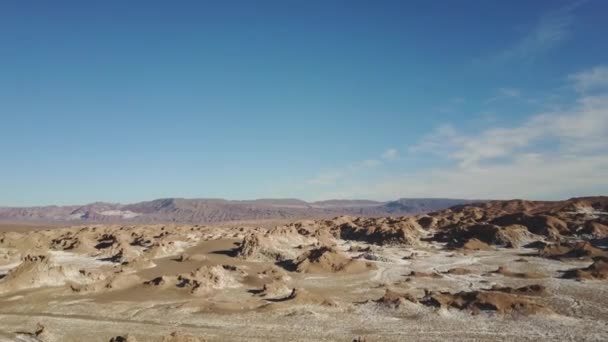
(335, 176)
(504, 93)
(368, 163)
(390, 154)
(551, 29)
(593, 79)
(452, 105)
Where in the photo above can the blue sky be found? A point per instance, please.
(124, 101)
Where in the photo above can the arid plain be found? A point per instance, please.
(493, 271)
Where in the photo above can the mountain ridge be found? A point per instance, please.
(211, 210)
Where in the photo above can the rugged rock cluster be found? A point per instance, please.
(275, 269)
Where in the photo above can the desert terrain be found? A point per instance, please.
(489, 271)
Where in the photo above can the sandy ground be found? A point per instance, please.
(226, 303)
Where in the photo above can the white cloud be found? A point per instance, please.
(583, 127)
(390, 154)
(550, 155)
(531, 176)
(553, 154)
(592, 79)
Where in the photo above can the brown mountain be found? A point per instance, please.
(220, 210)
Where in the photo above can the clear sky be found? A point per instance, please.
(125, 101)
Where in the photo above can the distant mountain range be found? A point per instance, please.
(218, 210)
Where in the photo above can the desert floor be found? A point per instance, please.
(193, 280)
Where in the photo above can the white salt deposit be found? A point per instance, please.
(127, 214)
(67, 258)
